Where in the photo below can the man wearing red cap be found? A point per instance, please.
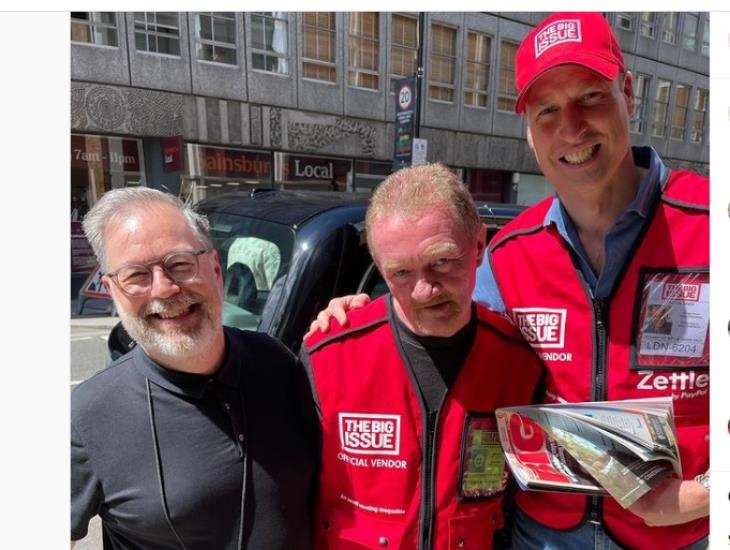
(623, 235)
(580, 273)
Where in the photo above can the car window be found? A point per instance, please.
(263, 257)
(372, 283)
(254, 254)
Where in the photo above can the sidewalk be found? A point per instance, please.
(88, 322)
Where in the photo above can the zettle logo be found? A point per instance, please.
(370, 434)
(558, 32)
(542, 327)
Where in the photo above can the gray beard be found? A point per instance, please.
(177, 344)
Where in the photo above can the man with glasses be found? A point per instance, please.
(187, 441)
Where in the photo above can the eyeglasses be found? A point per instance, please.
(136, 279)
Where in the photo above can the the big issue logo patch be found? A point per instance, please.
(558, 32)
(544, 329)
(370, 434)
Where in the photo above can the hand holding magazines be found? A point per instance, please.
(621, 448)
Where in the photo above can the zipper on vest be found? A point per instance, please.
(428, 481)
(598, 384)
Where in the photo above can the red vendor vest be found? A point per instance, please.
(649, 339)
(376, 488)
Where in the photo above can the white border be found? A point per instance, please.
(720, 277)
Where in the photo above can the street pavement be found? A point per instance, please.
(89, 355)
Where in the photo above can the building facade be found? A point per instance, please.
(203, 102)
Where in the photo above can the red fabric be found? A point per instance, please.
(533, 270)
(359, 371)
(581, 38)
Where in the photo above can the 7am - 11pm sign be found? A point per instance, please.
(405, 112)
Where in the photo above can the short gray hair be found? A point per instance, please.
(119, 204)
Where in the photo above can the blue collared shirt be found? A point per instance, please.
(620, 239)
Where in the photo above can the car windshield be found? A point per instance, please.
(254, 254)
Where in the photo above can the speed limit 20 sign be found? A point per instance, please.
(405, 97)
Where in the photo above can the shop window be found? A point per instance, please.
(216, 34)
(506, 92)
(217, 170)
(318, 45)
(94, 27)
(647, 25)
(403, 48)
(157, 31)
(488, 185)
(689, 35)
(368, 174)
(679, 112)
(363, 50)
(699, 114)
(641, 101)
(270, 41)
(478, 55)
(669, 28)
(100, 163)
(661, 108)
(443, 63)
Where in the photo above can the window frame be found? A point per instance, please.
(666, 104)
(215, 44)
(270, 53)
(443, 85)
(705, 40)
(641, 103)
(95, 27)
(331, 65)
(510, 94)
(487, 68)
(683, 112)
(624, 16)
(702, 113)
(148, 34)
(685, 37)
(405, 48)
(669, 35)
(357, 71)
(647, 24)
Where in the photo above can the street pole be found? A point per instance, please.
(419, 74)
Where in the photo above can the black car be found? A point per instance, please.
(285, 254)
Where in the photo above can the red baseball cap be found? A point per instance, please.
(580, 38)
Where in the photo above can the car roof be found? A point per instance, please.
(291, 208)
(499, 209)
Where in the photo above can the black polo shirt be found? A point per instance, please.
(160, 455)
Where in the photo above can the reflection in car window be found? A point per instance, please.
(254, 254)
(261, 256)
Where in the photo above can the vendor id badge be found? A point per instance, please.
(483, 473)
(671, 320)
